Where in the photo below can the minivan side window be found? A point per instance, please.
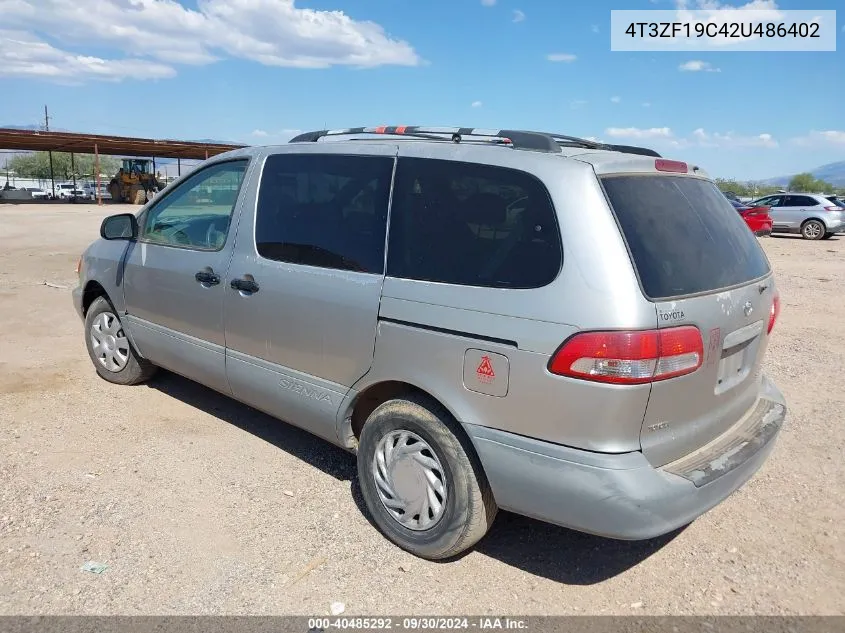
(197, 213)
(325, 210)
(473, 225)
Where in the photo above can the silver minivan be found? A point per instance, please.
(814, 216)
(488, 319)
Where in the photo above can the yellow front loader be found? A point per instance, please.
(135, 182)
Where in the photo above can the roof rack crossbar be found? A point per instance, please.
(513, 138)
(572, 141)
(518, 139)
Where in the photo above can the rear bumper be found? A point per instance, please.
(763, 232)
(623, 496)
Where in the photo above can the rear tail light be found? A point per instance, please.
(78, 265)
(630, 358)
(774, 312)
(675, 166)
(833, 208)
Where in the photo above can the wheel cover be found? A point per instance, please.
(410, 480)
(109, 344)
(812, 230)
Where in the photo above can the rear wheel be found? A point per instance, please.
(422, 481)
(110, 349)
(812, 230)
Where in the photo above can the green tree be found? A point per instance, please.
(802, 182)
(729, 184)
(745, 189)
(37, 165)
(809, 184)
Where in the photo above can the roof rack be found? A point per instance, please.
(517, 139)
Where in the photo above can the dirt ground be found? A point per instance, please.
(200, 505)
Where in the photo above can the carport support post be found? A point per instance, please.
(52, 177)
(97, 169)
(178, 166)
(73, 171)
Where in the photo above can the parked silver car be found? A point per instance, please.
(814, 216)
(489, 319)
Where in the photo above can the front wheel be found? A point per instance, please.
(110, 349)
(421, 480)
(812, 230)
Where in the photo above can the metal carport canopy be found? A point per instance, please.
(36, 140)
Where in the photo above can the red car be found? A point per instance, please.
(757, 218)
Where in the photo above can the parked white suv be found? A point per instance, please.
(90, 190)
(812, 215)
(69, 191)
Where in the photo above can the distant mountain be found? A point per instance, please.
(834, 173)
(218, 142)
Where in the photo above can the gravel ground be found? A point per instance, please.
(199, 505)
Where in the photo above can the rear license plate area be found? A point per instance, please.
(734, 366)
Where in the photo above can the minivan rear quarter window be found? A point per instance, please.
(473, 225)
(685, 238)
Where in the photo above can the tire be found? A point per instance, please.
(114, 191)
(812, 230)
(126, 368)
(468, 509)
(828, 235)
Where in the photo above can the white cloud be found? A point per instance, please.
(518, 16)
(594, 28)
(696, 65)
(270, 32)
(615, 99)
(639, 133)
(24, 55)
(577, 103)
(488, 3)
(719, 13)
(699, 137)
(561, 57)
(824, 137)
(646, 104)
(477, 104)
(731, 140)
(259, 133)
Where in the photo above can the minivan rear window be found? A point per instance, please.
(684, 236)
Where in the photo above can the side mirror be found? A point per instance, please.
(123, 226)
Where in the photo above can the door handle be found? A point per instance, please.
(207, 277)
(244, 285)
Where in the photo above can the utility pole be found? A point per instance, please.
(49, 153)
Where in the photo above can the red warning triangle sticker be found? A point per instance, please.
(485, 370)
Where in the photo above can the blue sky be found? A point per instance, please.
(256, 70)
